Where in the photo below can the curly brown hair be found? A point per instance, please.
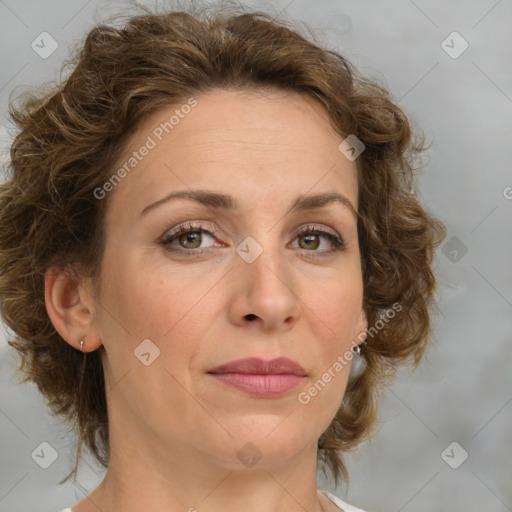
(69, 137)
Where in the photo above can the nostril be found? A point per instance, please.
(251, 317)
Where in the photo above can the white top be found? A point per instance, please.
(337, 501)
(345, 507)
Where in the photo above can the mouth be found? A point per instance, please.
(259, 378)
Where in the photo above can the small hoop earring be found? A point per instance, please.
(82, 345)
(357, 350)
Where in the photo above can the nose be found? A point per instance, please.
(266, 289)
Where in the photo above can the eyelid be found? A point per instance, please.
(190, 226)
(204, 226)
(325, 232)
(312, 227)
(212, 228)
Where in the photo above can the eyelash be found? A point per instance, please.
(337, 241)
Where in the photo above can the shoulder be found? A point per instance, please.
(346, 507)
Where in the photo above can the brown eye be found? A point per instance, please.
(188, 237)
(311, 241)
(192, 237)
(312, 236)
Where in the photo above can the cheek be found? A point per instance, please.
(141, 308)
(323, 395)
(171, 311)
(337, 310)
(143, 300)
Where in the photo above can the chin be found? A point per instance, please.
(262, 443)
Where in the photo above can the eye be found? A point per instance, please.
(188, 236)
(311, 235)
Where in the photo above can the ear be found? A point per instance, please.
(362, 327)
(70, 306)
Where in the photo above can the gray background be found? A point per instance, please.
(463, 391)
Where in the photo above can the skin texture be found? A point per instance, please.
(174, 430)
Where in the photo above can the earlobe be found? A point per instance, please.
(67, 310)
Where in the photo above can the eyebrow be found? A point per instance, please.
(222, 201)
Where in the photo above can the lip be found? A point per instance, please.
(260, 378)
(255, 365)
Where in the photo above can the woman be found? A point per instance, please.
(204, 225)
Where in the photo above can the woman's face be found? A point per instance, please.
(256, 282)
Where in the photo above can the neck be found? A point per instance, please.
(163, 480)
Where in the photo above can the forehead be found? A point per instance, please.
(249, 144)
